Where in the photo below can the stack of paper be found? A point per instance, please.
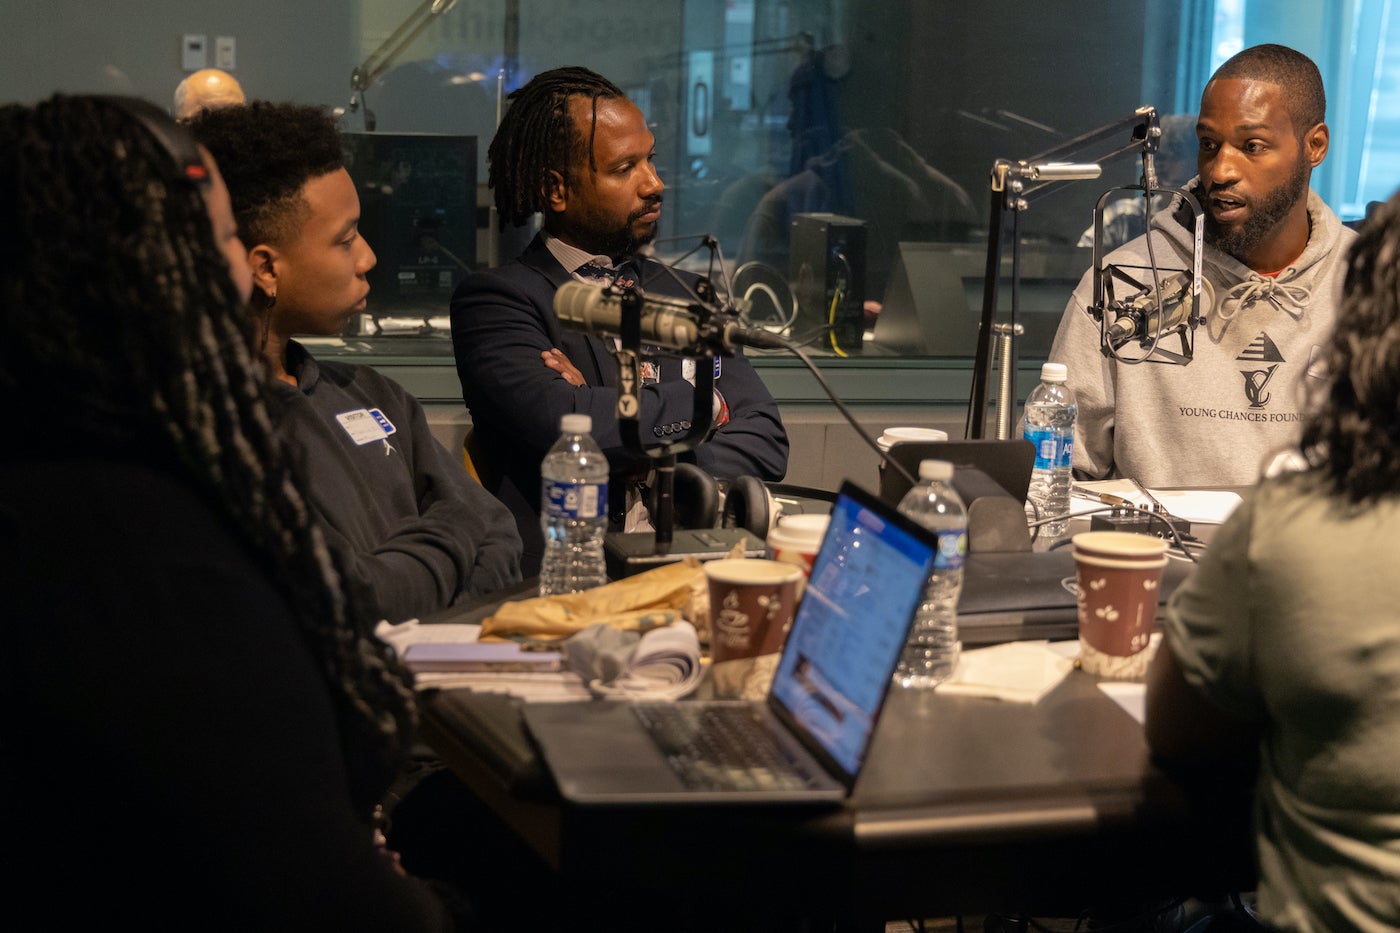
(559, 685)
(665, 666)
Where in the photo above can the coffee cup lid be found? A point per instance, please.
(897, 435)
(805, 524)
(1119, 545)
(750, 570)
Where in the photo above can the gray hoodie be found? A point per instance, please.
(1219, 419)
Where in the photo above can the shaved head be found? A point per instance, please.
(206, 89)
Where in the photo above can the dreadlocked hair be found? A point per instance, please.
(1352, 438)
(537, 136)
(124, 332)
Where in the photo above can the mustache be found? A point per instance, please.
(647, 207)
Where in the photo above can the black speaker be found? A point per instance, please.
(827, 258)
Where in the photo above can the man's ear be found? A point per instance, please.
(1315, 143)
(556, 192)
(263, 261)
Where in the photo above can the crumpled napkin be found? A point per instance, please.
(661, 664)
(641, 602)
(1018, 671)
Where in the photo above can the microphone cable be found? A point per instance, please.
(801, 354)
(1181, 543)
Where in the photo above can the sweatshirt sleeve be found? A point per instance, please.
(462, 543)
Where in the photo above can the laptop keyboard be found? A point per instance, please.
(720, 747)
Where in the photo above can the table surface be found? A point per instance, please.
(965, 805)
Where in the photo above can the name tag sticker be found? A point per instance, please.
(365, 426)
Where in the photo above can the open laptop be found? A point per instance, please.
(1008, 463)
(821, 710)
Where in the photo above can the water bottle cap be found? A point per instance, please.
(1054, 372)
(576, 424)
(940, 470)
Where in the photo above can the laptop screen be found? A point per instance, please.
(850, 627)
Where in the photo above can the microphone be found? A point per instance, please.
(1065, 171)
(1141, 318)
(665, 322)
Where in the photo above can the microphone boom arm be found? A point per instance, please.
(629, 410)
(388, 51)
(1046, 172)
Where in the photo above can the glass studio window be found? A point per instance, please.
(839, 151)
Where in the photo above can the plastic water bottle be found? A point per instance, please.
(931, 653)
(1050, 413)
(573, 510)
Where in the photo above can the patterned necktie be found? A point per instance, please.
(597, 272)
(603, 275)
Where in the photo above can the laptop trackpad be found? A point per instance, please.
(598, 750)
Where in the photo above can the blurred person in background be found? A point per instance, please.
(208, 88)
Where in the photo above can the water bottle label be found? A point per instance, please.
(1052, 449)
(952, 548)
(576, 500)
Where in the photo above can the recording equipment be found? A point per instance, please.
(674, 324)
(1140, 521)
(1064, 171)
(1144, 319)
(703, 325)
(827, 268)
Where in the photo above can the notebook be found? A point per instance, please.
(827, 692)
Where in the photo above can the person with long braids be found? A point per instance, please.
(1282, 652)
(199, 724)
(423, 533)
(574, 148)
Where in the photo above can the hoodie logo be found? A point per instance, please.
(1256, 381)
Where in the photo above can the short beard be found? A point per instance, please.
(1263, 220)
(622, 242)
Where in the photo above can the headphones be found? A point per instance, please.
(177, 141)
(747, 502)
(748, 505)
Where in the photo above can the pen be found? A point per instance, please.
(1107, 497)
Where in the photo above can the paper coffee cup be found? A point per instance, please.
(1119, 545)
(797, 538)
(1119, 576)
(894, 436)
(751, 606)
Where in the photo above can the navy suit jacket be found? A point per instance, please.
(503, 319)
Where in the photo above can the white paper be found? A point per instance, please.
(1130, 695)
(1019, 672)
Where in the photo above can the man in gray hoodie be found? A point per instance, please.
(1274, 261)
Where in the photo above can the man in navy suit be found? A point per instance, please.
(574, 148)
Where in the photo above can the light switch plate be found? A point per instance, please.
(224, 53)
(194, 51)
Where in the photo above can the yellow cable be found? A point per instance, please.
(836, 297)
